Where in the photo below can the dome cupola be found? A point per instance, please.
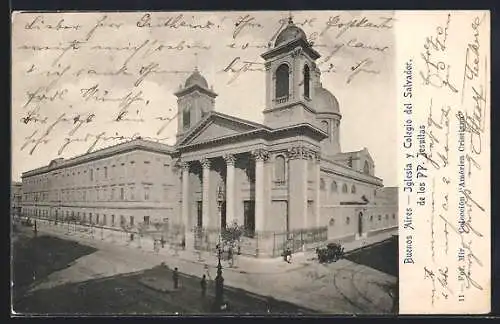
(289, 34)
(325, 101)
(196, 79)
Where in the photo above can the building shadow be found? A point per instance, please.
(35, 258)
(382, 256)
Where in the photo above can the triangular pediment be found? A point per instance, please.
(218, 126)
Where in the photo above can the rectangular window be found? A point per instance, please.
(132, 194)
(146, 193)
(85, 195)
(131, 220)
(122, 193)
(97, 218)
(104, 220)
(122, 220)
(165, 194)
(112, 220)
(105, 172)
(112, 193)
(146, 220)
(91, 174)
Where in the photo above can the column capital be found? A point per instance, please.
(260, 155)
(298, 152)
(205, 163)
(230, 159)
(316, 156)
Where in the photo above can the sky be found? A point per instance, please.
(74, 73)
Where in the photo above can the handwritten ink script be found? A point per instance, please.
(83, 81)
(445, 198)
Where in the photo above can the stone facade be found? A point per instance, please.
(133, 182)
(280, 180)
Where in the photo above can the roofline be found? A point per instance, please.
(134, 144)
(265, 131)
(197, 126)
(304, 44)
(371, 178)
(194, 87)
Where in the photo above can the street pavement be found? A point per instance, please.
(344, 287)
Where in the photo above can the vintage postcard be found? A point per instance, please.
(250, 163)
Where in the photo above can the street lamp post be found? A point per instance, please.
(219, 280)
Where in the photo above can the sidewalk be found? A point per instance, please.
(340, 287)
(242, 264)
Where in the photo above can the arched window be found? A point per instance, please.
(279, 168)
(333, 186)
(332, 221)
(353, 189)
(322, 184)
(386, 216)
(379, 217)
(371, 218)
(393, 216)
(366, 168)
(186, 118)
(347, 220)
(344, 188)
(282, 82)
(307, 79)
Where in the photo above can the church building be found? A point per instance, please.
(285, 180)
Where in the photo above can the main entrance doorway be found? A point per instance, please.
(249, 217)
(199, 214)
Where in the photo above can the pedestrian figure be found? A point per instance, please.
(156, 246)
(175, 277)
(205, 267)
(203, 284)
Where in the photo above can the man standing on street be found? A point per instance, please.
(175, 277)
(203, 284)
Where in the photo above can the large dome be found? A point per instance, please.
(325, 101)
(196, 79)
(290, 33)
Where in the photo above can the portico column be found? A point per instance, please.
(230, 189)
(185, 205)
(317, 179)
(260, 156)
(205, 163)
(297, 176)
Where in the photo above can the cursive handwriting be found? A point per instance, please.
(39, 23)
(237, 66)
(360, 67)
(363, 22)
(179, 21)
(437, 72)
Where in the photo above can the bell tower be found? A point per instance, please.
(194, 101)
(290, 76)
